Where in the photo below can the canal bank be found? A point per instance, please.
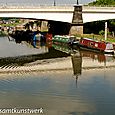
(59, 64)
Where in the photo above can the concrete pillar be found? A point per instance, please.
(77, 21)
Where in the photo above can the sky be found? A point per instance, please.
(44, 1)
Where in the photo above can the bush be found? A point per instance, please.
(101, 32)
(2, 33)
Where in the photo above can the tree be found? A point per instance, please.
(102, 2)
(27, 26)
(31, 24)
(99, 26)
(38, 24)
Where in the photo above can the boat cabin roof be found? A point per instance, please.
(90, 39)
(64, 36)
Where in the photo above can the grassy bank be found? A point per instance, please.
(2, 34)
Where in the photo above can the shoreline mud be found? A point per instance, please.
(57, 64)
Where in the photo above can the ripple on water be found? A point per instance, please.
(58, 92)
(55, 90)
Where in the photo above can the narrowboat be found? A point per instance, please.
(98, 46)
(63, 38)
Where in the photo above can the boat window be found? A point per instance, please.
(82, 41)
(91, 44)
(109, 46)
(96, 44)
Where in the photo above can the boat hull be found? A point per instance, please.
(83, 47)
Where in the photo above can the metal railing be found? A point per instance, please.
(33, 5)
(51, 6)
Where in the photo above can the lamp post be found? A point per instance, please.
(54, 3)
(77, 2)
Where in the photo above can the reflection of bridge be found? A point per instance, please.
(58, 13)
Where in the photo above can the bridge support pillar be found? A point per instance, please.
(77, 21)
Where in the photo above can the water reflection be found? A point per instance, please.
(97, 56)
(29, 51)
(12, 53)
(35, 43)
(56, 91)
(82, 59)
(11, 49)
(100, 57)
(77, 64)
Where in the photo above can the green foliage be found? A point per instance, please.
(38, 23)
(103, 2)
(27, 26)
(94, 27)
(109, 33)
(101, 32)
(112, 22)
(2, 34)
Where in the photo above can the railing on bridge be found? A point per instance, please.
(34, 5)
(49, 6)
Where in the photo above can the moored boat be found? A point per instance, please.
(63, 39)
(98, 46)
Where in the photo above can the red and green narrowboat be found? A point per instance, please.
(99, 46)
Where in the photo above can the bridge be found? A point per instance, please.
(76, 15)
(58, 13)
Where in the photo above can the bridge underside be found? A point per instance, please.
(62, 17)
(59, 28)
(91, 17)
(60, 23)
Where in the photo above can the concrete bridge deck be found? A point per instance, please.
(56, 8)
(57, 13)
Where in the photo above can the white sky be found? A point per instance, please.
(44, 1)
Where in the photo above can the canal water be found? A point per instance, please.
(83, 84)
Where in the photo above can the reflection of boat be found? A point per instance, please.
(48, 40)
(61, 47)
(75, 56)
(96, 56)
(37, 37)
(98, 46)
(48, 37)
